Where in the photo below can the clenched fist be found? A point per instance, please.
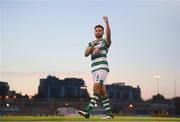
(105, 18)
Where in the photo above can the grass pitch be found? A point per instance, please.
(92, 119)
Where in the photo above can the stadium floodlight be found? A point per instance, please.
(157, 76)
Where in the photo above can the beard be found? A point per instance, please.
(98, 36)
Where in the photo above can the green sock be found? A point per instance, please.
(92, 102)
(105, 102)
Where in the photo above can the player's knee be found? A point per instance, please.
(103, 93)
(96, 88)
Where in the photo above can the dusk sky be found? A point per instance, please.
(48, 37)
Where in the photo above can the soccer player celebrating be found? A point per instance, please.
(98, 50)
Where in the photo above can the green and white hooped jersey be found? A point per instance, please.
(99, 56)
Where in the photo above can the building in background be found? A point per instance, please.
(70, 94)
(122, 92)
(53, 87)
(4, 89)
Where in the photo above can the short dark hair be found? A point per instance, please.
(99, 26)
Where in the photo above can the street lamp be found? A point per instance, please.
(157, 76)
(29, 97)
(7, 104)
(130, 105)
(14, 97)
(175, 88)
(83, 87)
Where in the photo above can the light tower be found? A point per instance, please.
(157, 76)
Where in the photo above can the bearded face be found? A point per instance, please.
(98, 33)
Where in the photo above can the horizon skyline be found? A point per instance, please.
(89, 86)
(49, 37)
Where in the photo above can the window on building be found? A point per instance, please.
(125, 95)
(111, 94)
(117, 95)
(70, 92)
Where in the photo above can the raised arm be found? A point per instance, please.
(107, 31)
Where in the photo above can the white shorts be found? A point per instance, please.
(99, 76)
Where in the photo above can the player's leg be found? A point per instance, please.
(104, 97)
(105, 102)
(103, 92)
(95, 97)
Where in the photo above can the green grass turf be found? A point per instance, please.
(92, 119)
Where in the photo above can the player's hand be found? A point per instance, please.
(105, 18)
(94, 43)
